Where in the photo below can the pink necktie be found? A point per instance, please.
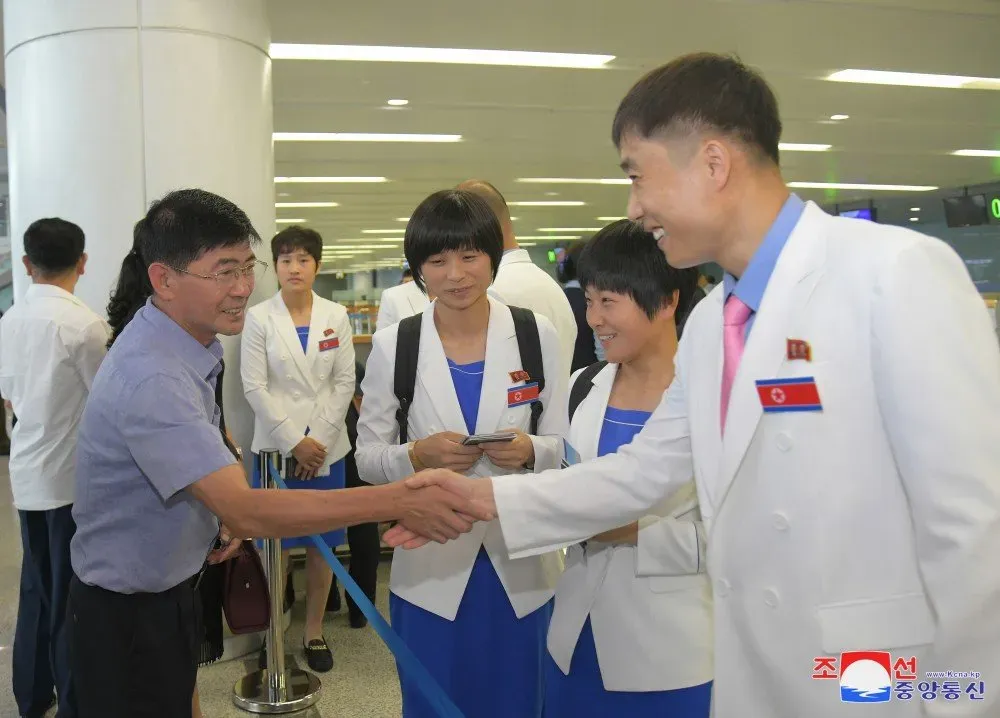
(734, 320)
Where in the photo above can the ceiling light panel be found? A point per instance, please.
(609, 219)
(915, 79)
(362, 137)
(976, 153)
(383, 231)
(450, 56)
(870, 187)
(553, 237)
(288, 221)
(802, 147)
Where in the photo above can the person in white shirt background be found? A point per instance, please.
(474, 618)
(404, 300)
(51, 345)
(297, 365)
(522, 283)
(837, 404)
(631, 631)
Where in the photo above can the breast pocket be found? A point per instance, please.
(879, 623)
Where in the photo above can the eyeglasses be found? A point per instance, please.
(227, 278)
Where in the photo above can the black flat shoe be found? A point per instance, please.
(358, 620)
(318, 655)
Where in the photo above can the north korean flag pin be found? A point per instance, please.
(327, 332)
(519, 375)
(799, 349)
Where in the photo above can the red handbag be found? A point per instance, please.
(246, 599)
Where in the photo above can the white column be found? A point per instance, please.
(113, 103)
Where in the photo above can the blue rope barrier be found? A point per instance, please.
(408, 662)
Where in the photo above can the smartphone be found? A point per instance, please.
(477, 439)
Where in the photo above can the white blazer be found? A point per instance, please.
(873, 524)
(289, 389)
(522, 283)
(434, 577)
(649, 604)
(399, 302)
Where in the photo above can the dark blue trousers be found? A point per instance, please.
(41, 642)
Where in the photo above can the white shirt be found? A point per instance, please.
(51, 345)
(399, 302)
(522, 283)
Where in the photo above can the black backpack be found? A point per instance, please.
(408, 348)
(582, 386)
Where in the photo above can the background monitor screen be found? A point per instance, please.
(556, 255)
(966, 211)
(865, 213)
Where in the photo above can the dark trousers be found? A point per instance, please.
(41, 648)
(363, 541)
(133, 655)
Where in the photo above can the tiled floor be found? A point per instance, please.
(362, 684)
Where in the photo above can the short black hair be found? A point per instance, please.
(623, 258)
(297, 237)
(178, 229)
(451, 219)
(700, 91)
(53, 245)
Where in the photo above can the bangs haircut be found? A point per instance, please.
(623, 259)
(702, 91)
(297, 237)
(451, 219)
(185, 224)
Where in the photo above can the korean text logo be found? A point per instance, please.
(879, 677)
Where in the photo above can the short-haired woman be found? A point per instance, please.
(631, 633)
(297, 364)
(475, 618)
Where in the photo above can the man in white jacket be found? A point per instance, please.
(837, 404)
(522, 283)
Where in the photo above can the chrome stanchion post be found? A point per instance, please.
(275, 689)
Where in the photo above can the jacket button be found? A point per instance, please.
(771, 598)
(322, 376)
(284, 357)
(510, 419)
(296, 395)
(780, 521)
(784, 441)
(722, 588)
(289, 377)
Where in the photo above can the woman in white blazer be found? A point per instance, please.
(631, 633)
(476, 619)
(297, 364)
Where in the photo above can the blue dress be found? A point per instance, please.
(581, 694)
(488, 661)
(334, 480)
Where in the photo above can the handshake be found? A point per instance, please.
(438, 505)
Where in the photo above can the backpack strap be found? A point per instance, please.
(405, 371)
(529, 345)
(582, 386)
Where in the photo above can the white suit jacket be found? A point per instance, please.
(522, 283)
(649, 604)
(289, 390)
(434, 577)
(873, 524)
(399, 302)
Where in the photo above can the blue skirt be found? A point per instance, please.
(582, 694)
(334, 480)
(487, 660)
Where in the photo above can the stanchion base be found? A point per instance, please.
(250, 692)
